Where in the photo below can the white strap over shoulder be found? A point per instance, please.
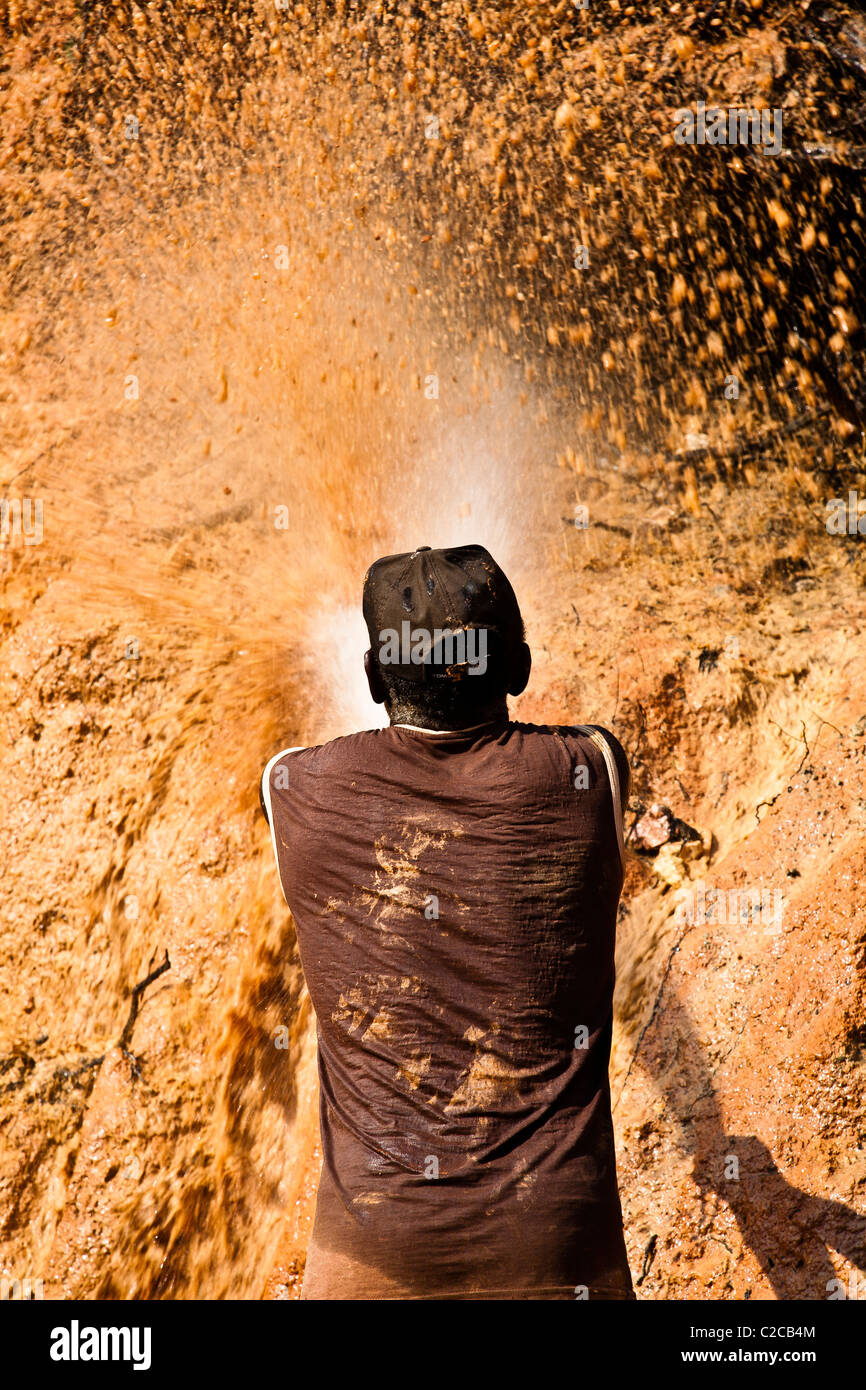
(266, 796)
(606, 751)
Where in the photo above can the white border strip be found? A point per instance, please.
(440, 733)
(266, 797)
(613, 773)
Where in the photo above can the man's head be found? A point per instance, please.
(446, 637)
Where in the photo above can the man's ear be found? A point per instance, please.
(521, 667)
(374, 679)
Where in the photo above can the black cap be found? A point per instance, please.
(434, 614)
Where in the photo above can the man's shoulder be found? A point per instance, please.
(574, 737)
(290, 768)
(609, 737)
(620, 756)
(572, 733)
(321, 756)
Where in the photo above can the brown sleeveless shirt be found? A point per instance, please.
(455, 897)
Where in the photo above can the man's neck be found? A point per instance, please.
(408, 718)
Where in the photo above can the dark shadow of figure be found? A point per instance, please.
(789, 1231)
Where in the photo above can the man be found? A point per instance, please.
(454, 880)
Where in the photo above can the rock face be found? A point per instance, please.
(252, 339)
(754, 1062)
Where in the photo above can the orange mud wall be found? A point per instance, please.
(277, 324)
